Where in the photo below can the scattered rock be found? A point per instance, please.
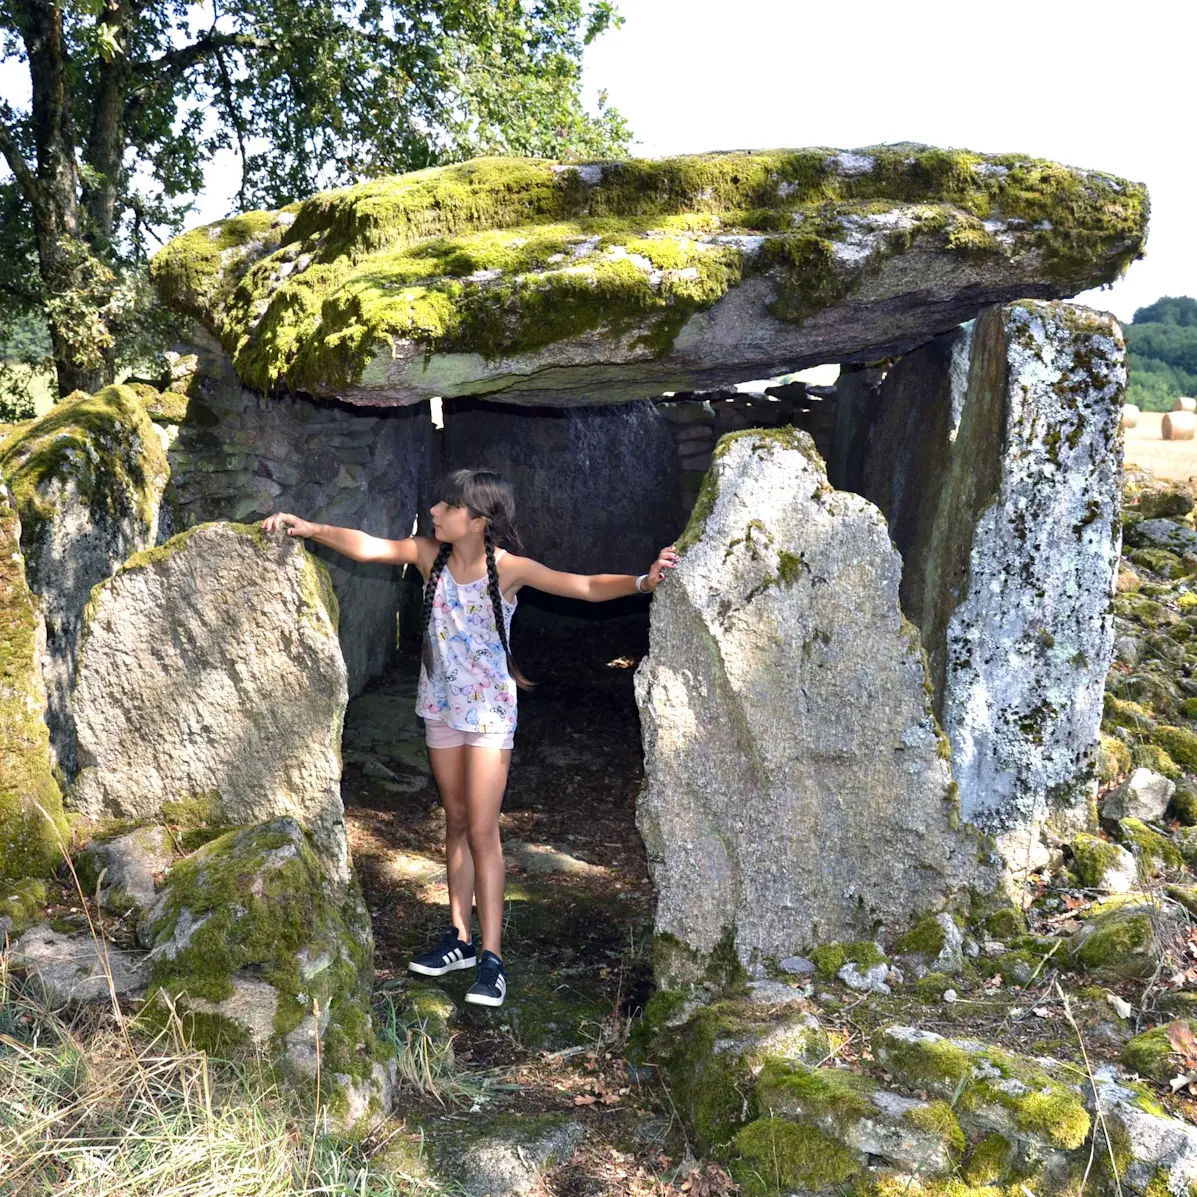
(511, 1162)
(1144, 795)
(870, 981)
(130, 864)
(1100, 864)
(211, 689)
(74, 969)
(798, 966)
(1117, 943)
(1162, 534)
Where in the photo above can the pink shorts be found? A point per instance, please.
(440, 735)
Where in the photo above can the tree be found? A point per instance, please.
(130, 100)
(1162, 346)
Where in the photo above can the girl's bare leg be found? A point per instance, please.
(486, 779)
(449, 770)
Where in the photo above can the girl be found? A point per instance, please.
(468, 682)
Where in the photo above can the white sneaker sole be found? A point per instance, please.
(456, 966)
(480, 999)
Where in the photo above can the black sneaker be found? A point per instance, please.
(448, 956)
(491, 987)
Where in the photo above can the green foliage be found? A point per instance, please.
(1162, 344)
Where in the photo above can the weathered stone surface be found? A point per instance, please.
(798, 789)
(210, 678)
(1162, 534)
(1162, 1150)
(551, 283)
(511, 1162)
(1100, 864)
(126, 868)
(597, 488)
(88, 480)
(239, 456)
(73, 969)
(996, 458)
(1144, 795)
(256, 946)
(30, 840)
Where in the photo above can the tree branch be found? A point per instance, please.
(181, 59)
(19, 167)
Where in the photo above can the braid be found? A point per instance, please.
(434, 575)
(496, 602)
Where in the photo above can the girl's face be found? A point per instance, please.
(453, 524)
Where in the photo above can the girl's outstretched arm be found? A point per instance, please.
(593, 588)
(358, 546)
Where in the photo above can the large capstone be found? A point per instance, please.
(211, 688)
(576, 283)
(88, 480)
(798, 787)
(995, 455)
(32, 828)
(255, 949)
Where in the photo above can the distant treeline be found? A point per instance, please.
(1162, 340)
(26, 339)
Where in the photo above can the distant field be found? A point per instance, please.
(1165, 459)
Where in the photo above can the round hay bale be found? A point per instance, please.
(1184, 403)
(1179, 426)
(1130, 416)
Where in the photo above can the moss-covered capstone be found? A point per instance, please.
(256, 947)
(87, 479)
(211, 688)
(473, 278)
(33, 829)
(797, 788)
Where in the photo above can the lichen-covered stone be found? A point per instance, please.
(77, 970)
(710, 1058)
(798, 788)
(33, 830)
(537, 280)
(1100, 864)
(210, 676)
(999, 472)
(1151, 1053)
(256, 946)
(88, 480)
(1144, 795)
(1162, 534)
(1154, 852)
(993, 1090)
(1118, 943)
(126, 868)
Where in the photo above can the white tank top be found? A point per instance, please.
(470, 688)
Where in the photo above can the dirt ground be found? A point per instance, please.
(1166, 459)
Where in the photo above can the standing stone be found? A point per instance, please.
(798, 788)
(210, 678)
(88, 479)
(30, 840)
(997, 461)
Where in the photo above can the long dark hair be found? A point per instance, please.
(483, 493)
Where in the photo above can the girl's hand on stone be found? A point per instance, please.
(292, 523)
(666, 560)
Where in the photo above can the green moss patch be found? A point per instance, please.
(1155, 853)
(1151, 1054)
(1113, 760)
(829, 958)
(1180, 743)
(776, 1156)
(1116, 943)
(505, 256)
(1092, 858)
(32, 822)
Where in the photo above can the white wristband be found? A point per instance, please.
(641, 588)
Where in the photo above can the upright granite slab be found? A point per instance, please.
(576, 283)
(32, 827)
(211, 688)
(997, 459)
(88, 480)
(798, 788)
